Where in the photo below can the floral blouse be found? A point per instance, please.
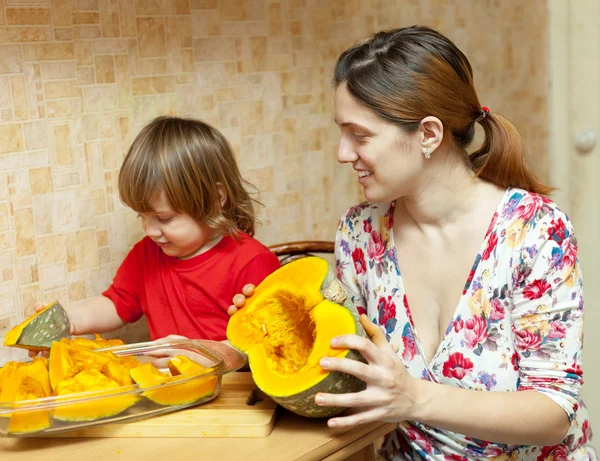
(518, 325)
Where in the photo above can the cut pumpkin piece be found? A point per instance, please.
(66, 361)
(118, 372)
(25, 422)
(38, 331)
(98, 343)
(287, 326)
(88, 381)
(147, 375)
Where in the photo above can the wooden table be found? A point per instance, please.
(293, 438)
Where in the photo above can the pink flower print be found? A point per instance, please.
(536, 289)
(558, 330)
(359, 261)
(492, 242)
(457, 366)
(416, 436)
(387, 309)
(367, 227)
(410, 348)
(570, 254)
(458, 325)
(475, 331)
(557, 231)
(515, 361)
(527, 340)
(528, 207)
(497, 310)
(375, 246)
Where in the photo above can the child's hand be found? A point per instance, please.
(161, 358)
(45, 353)
(239, 300)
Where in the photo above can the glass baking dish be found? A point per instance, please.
(221, 359)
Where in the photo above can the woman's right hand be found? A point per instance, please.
(239, 300)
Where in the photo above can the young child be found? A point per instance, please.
(181, 176)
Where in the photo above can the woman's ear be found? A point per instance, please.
(431, 134)
(222, 194)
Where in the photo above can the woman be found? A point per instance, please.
(448, 355)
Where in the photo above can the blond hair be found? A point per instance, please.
(187, 160)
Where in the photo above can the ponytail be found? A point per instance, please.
(502, 159)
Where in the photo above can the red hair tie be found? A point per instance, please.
(484, 113)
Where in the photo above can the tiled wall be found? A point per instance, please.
(78, 78)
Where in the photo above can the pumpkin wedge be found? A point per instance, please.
(66, 361)
(38, 331)
(25, 422)
(87, 381)
(147, 375)
(286, 327)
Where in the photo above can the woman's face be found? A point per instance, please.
(388, 161)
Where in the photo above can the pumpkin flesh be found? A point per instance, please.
(286, 328)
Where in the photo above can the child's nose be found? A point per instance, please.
(152, 231)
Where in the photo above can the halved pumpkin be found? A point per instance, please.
(87, 381)
(38, 331)
(147, 375)
(286, 327)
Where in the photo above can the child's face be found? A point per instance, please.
(177, 234)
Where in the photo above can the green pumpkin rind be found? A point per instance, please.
(51, 325)
(336, 382)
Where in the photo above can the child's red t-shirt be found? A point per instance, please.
(188, 297)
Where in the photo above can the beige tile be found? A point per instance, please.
(53, 277)
(62, 12)
(25, 232)
(151, 37)
(204, 4)
(103, 255)
(106, 125)
(11, 61)
(58, 70)
(109, 154)
(85, 76)
(100, 98)
(27, 16)
(83, 53)
(89, 127)
(152, 85)
(71, 243)
(27, 271)
(86, 212)
(275, 19)
(4, 217)
(153, 66)
(52, 249)
(180, 7)
(86, 18)
(102, 237)
(41, 180)
(59, 108)
(11, 139)
(86, 249)
(124, 96)
(5, 102)
(48, 52)
(25, 34)
(19, 97)
(43, 208)
(77, 291)
(127, 18)
(63, 144)
(30, 296)
(206, 23)
(99, 206)
(109, 17)
(63, 34)
(83, 32)
(215, 49)
(64, 211)
(2, 18)
(105, 69)
(152, 7)
(61, 89)
(233, 10)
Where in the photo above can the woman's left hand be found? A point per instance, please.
(391, 393)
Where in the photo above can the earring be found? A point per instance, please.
(427, 154)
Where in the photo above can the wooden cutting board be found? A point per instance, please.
(229, 415)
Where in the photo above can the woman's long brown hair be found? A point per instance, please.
(407, 74)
